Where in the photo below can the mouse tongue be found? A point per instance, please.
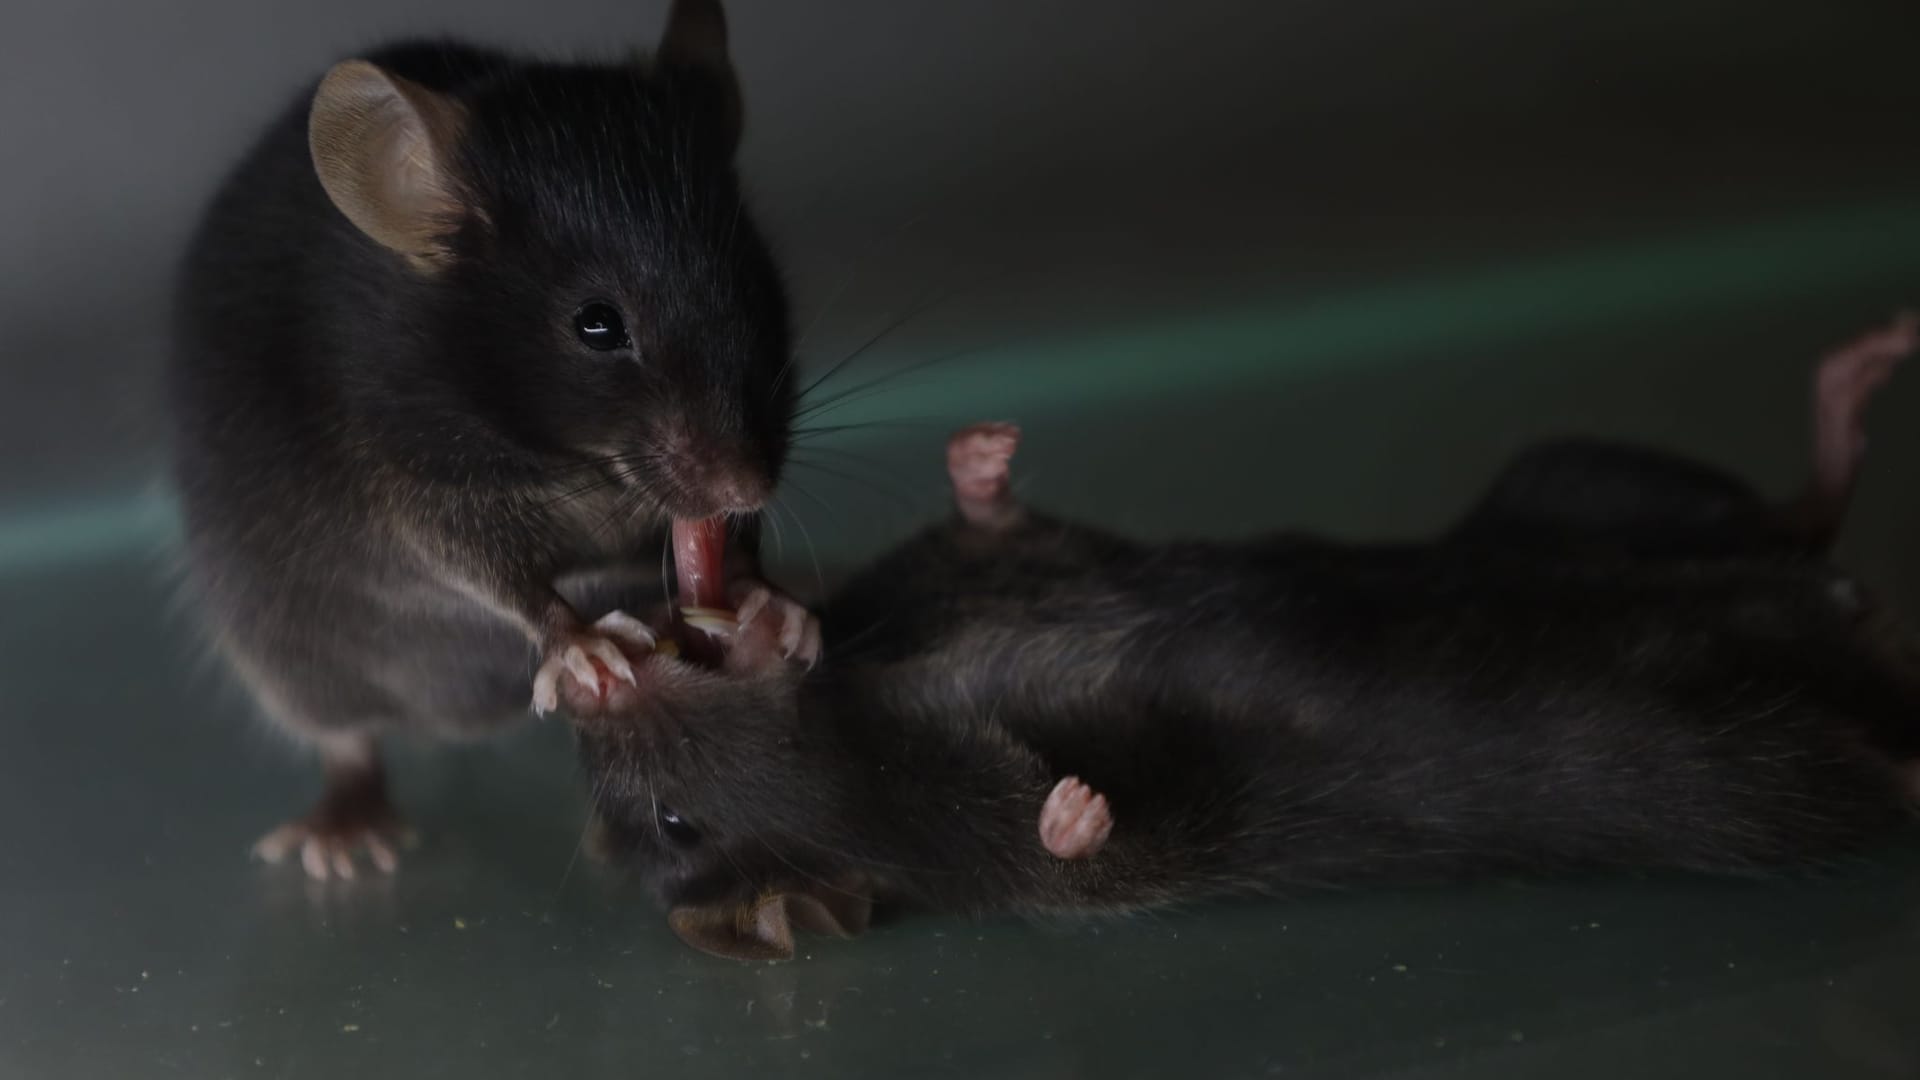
(699, 552)
(699, 558)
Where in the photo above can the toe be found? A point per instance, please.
(546, 689)
(810, 647)
(313, 858)
(275, 846)
(341, 858)
(749, 603)
(382, 855)
(609, 654)
(580, 666)
(793, 629)
(625, 628)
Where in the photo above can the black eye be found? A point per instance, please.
(677, 829)
(598, 326)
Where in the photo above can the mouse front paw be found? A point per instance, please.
(771, 628)
(1076, 820)
(594, 658)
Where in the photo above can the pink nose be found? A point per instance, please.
(734, 489)
(717, 486)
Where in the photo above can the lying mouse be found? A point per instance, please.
(456, 341)
(1617, 660)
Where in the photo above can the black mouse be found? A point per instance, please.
(1616, 660)
(457, 340)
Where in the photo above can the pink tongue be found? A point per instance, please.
(699, 552)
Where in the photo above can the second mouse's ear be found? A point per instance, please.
(764, 929)
(840, 908)
(695, 40)
(761, 931)
(383, 148)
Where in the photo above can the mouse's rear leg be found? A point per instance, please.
(1844, 383)
(353, 816)
(979, 464)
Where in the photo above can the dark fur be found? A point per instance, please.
(385, 471)
(1646, 675)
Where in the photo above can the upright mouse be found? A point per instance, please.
(457, 341)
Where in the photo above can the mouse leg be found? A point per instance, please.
(1843, 383)
(1076, 821)
(978, 462)
(353, 815)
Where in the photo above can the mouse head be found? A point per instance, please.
(579, 275)
(738, 815)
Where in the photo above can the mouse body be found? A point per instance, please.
(456, 341)
(1618, 659)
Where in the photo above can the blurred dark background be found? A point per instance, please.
(1234, 265)
(1433, 226)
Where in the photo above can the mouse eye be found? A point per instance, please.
(598, 326)
(676, 828)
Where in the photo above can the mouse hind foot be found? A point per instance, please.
(979, 464)
(353, 817)
(1844, 383)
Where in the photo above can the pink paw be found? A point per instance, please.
(978, 460)
(1846, 380)
(770, 628)
(1076, 821)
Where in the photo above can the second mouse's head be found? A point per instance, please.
(578, 274)
(744, 818)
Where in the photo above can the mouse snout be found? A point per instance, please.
(708, 484)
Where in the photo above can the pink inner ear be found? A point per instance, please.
(839, 911)
(771, 924)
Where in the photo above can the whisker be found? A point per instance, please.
(579, 844)
(773, 519)
(819, 578)
(908, 423)
(890, 487)
(886, 331)
(868, 388)
(852, 272)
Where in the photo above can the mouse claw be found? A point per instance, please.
(609, 654)
(810, 645)
(626, 629)
(578, 664)
(546, 690)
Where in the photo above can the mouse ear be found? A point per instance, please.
(696, 40)
(382, 147)
(760, 931)
(764, 930)
(841, 908)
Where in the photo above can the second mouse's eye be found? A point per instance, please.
(676, 828)
(598, 326)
